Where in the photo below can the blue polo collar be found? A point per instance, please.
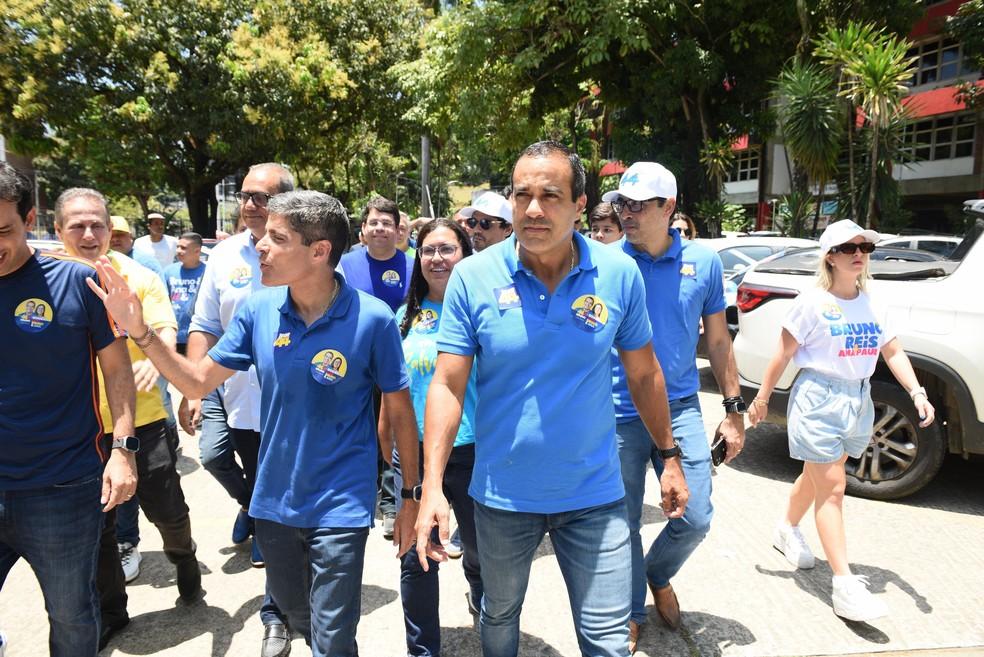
(584, 261)
(339, 308)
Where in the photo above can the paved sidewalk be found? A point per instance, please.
(739, 597)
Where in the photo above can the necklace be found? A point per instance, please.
(573, 256)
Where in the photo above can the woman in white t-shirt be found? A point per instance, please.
(834, 334)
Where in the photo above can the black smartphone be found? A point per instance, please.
(719, 449)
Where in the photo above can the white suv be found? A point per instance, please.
(937, 308)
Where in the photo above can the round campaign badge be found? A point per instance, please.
(240, 277)
(426, 321)
(589, 313)
(832, 312)
(328, 367)
(33, 315)
(391, 278)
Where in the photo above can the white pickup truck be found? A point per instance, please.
(937, 309)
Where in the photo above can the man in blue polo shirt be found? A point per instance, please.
(683, 284)
(537, 315)
(53, 482)
(182, 280)
(319, 347)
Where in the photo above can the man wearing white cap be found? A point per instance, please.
(490, 220)
(157, 244)
(684, 284)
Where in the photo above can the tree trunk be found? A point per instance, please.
(851, 185)
(816, 210)
(873, 183)
(197, 197)
(144, 201)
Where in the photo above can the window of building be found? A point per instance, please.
(939, 61)
(746, 165)
(940, 138)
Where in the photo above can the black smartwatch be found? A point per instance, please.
(671, 452)
(411, 493)
(734, 405)
(127, 444)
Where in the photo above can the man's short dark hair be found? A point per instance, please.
(192, 237)
(604, 212)
(383, 205)
(315, 216)
(285, 182)
(550, 147)
(16, 188)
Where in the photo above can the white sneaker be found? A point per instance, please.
(789, 540)
(130, 559)
(853, 600)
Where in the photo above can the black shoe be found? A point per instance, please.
(276, 641)
(189, 580)
(109, 630)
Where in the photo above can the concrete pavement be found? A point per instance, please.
(739, 597)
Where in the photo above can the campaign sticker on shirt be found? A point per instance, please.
(507, 297)
(33, 315)
(688, 269)
(283, 340)
(240, 277)
(328, 367)
(426, 321)
(589, 312)
(832, 312)
(390, 278)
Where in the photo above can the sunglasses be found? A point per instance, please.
(632, 205)
(851, 248)
(446, 250)
(259, 199)
(484, 223)
(684, 231)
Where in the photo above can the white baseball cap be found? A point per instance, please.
(491, 204)
(643, 181)
(843, 231)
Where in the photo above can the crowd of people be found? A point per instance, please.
(498, 363)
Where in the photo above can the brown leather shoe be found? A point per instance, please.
(634, 630)
(667, 605)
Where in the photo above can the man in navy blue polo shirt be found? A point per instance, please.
(53, 482)
(683, 284)
(538, 315)
(319, 347)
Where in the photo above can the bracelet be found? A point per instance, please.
(918, 391)
(146, 339)
(759, 400)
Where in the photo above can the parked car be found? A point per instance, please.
(942, 245)
(935, 307)
(738, 253)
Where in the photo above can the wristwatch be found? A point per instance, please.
(734, 405)
(671, 452)
(127, 444)
(411, 493)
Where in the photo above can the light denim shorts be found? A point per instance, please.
(828, 417)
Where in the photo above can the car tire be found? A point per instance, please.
(902, 457)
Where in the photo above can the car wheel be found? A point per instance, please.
(902, 457)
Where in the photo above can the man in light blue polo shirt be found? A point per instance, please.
(537, 315)
(683, 284)
(319, 347)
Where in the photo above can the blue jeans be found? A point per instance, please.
(128, 522)
(315, 575)
(419, 590)
(56, 529)
(592, 548)
(681, 536)
(217, 449)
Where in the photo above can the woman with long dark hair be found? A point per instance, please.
(441, 244)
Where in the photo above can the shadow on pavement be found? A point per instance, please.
(238, 561)
(766, 454)
(465, 642)
(152, 632)
(712, 635)
(374, 597)
(817, 582)
(186, 465)
(156, 571)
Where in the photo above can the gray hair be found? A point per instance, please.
(16, 188)
(550, 147)
(316, 217)
(78, 192)
(286, 181)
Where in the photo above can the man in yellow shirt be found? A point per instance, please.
(82, 224)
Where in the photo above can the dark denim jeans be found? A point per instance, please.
(418, 589)
(56, 529)
(217, 449)
(315, 574)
